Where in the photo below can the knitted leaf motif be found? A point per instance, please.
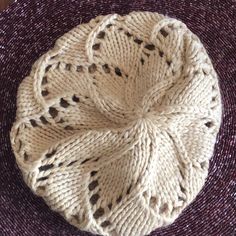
(116, 124)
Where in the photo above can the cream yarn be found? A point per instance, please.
(116, 124)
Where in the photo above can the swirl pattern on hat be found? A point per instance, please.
(116, 124)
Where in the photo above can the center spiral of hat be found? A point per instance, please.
(116, 123)
(140, 114)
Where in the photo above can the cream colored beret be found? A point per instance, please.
(116, 124)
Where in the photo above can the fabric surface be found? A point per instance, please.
(29, 29)
(116, 124)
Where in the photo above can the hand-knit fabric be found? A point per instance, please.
(116, 124)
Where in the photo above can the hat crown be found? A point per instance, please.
(116, 124)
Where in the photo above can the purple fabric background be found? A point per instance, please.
(29, 28)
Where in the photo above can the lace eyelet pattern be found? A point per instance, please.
(116, 124)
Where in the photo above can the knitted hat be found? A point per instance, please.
(116, 124)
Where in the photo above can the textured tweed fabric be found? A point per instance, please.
(29, 29)
(116, 124)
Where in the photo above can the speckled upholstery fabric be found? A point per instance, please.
(29, 28)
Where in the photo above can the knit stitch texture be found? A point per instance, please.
(116, 124)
